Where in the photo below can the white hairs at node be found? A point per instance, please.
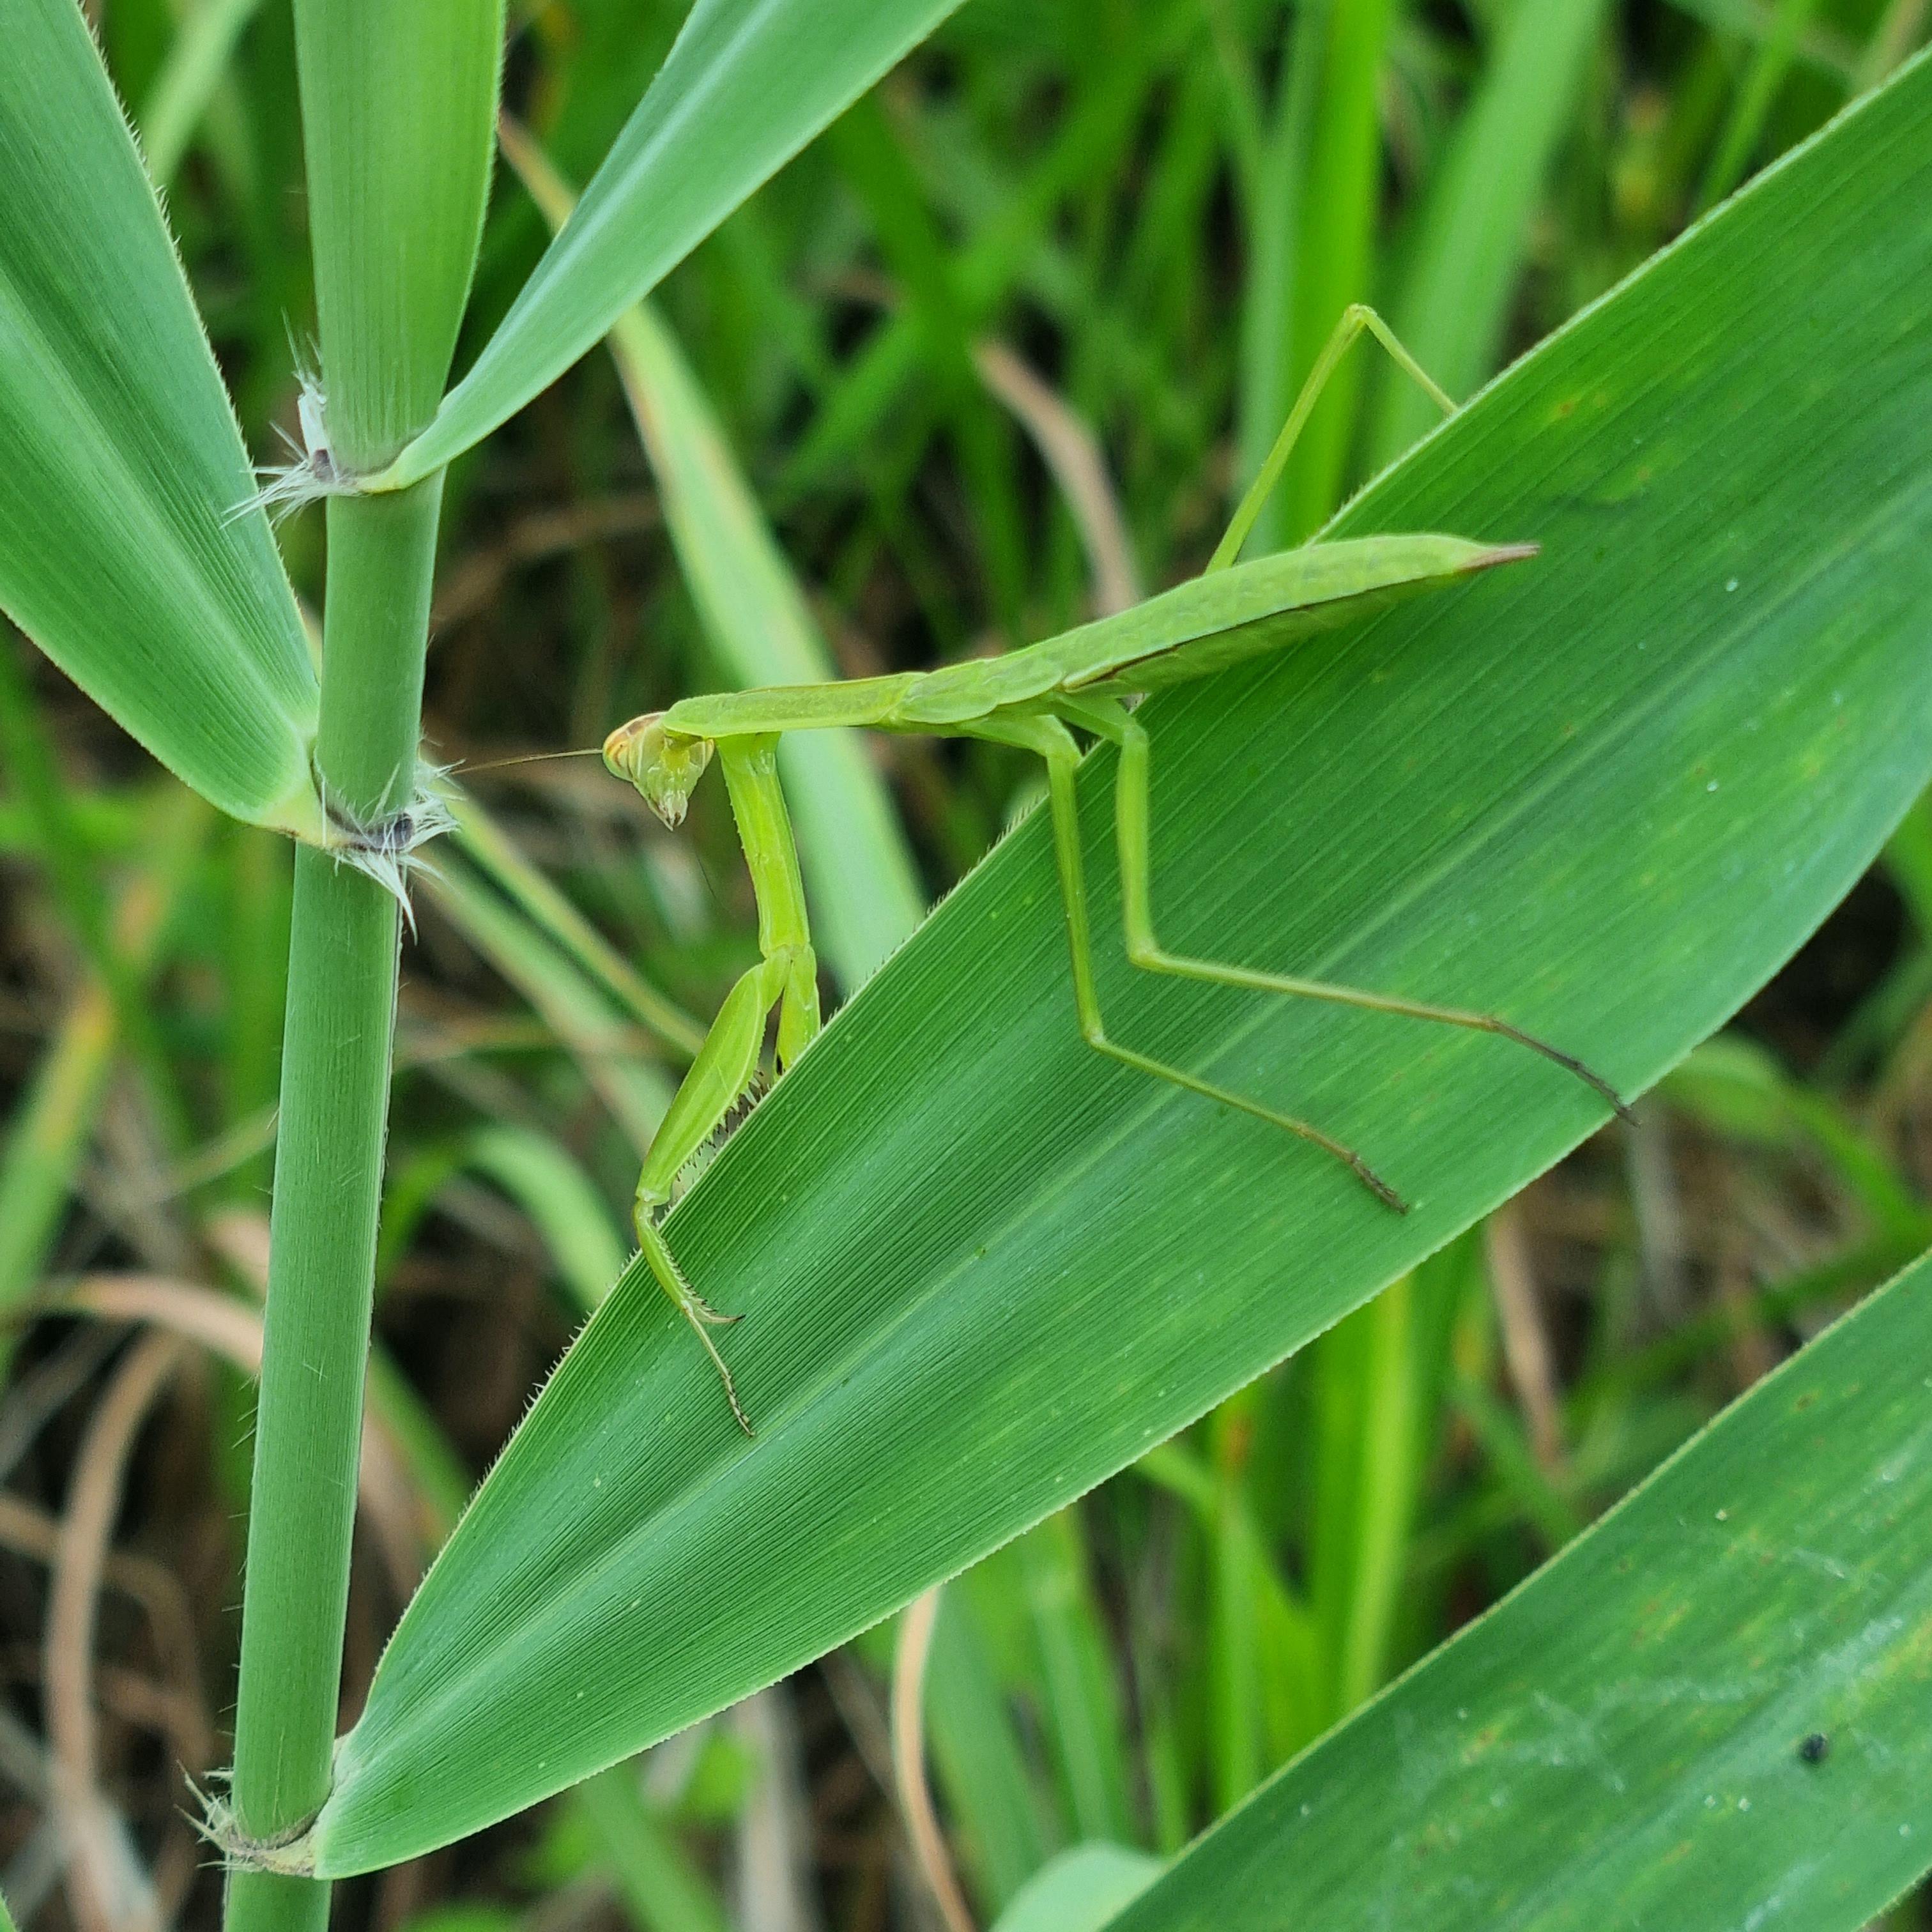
(387, 850)
(316, 472)
(287, 1853)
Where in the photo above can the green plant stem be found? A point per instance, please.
(329, 1165)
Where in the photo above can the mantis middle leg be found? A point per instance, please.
(786, 977)
(1055, 744)
(1131, 814)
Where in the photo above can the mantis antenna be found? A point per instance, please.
(528, 758)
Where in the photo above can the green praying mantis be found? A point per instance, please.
(1084, 682)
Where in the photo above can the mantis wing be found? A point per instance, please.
(1214, 621)
(1202, 626)
(1197, 628)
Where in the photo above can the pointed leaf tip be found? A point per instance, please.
(746, 85)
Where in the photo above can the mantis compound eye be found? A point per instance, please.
(664, 766)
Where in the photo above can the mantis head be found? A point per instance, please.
(663, 765)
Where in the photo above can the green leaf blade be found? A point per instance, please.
(1080, 1890)
(1623, 1740)
(746, 85)
(125, 551)
(1454, 304)
(1605, 795)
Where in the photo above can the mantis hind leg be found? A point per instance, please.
(1051, 739)
(1130, 820)
(1356, 319)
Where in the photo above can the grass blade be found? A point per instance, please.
(663, 1891)
(994, 1812)
(1365, 1487)
(747, 84)
(993, 258)
(60, 849)
(550, 915)
(1606, 795)
(1623, 1740)
(48, 1136)
(866, 895)
(1080, 1890)
(1475, 225)
(121, 552)
(562, 1204)
(914, 252)
(1335, 245)
(576, 1010)
(1745, 126)
(202, 46)
(1080, 1700)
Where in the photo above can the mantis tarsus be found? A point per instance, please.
(1037, 698)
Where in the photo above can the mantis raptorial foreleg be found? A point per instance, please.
(786, 977)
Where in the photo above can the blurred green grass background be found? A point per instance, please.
(997, 352)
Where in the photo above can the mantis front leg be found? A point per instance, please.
(786, 977)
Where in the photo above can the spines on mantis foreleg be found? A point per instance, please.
(698, 1163)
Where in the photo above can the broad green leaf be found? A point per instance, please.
(1713, 1710)
(123, 550)
(864, 898)
(1605, 794)
(746, 85)
(1080, 1890)
(399, 125)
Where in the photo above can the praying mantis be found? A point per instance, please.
(1085, 681)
